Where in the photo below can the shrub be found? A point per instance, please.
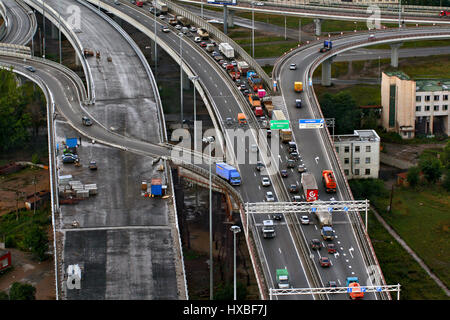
(22, 291)
(413, 176)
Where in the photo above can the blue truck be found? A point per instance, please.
(229, 173)
(327, 45)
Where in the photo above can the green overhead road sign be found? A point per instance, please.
(279, 124)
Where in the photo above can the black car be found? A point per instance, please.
(277, 216)
(284, 173)
(293, 155)
(301, 168)
(298, 103)
(315, 244)
(259, 166)
(332, 284)
(293, 188)
(86, 121)
(292, 146)
(269, 133)
(291, 163)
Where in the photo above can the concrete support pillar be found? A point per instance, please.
(77, 60)
(394, 54)
(225, 19)
(54, 32)
(230, 18)
(186, 81)
(326, 72)
(152, 51)
(318, 24)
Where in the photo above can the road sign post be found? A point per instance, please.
(279, 124)
(311, 123)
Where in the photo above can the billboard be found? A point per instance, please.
(227, 2)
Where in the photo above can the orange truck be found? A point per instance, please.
(242, 119)
(234, 74)
(254, 100)
(356, 292)
(328, 180)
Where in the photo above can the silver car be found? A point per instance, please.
(304, 219)
(265, 181)
(269, 196)
(292, 66)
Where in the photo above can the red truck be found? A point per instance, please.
(259, 112)
(309, 187)
(444, 13)
(234, 75)
(328, 180)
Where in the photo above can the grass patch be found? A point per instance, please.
(399, 267)
(363, 94)
(291, 22)
(274, 50)
(248, 40)
(421, 218)
(268, 70)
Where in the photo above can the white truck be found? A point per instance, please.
(268, 229)
(227, 50)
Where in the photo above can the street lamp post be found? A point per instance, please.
(235, 229)
(156, 43)
(194, 80)
(43, 27)
(253, 32)
(181, 77)
(210, 140)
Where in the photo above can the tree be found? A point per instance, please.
(343, 108)
(446, 182)
(227, 292)
(22, 291)
(36, 239)
(445, 158)
(4, 295)
(431, 168)
(413, 176)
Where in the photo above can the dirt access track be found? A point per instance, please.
(25, 270)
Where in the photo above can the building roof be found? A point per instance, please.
(433, 85)
(399, 74)
(358, 135)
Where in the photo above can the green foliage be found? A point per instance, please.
(446, 182)
(431, 168)
(343, 108)
(413, 176)
(22, 291)
(36, 240)
(35, 158)
(14, 120)
(10, 241)
(445, 157)
(368, 189)
(227, 292)
(4, 295)
(444, 3)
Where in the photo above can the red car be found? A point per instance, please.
(324, 262)
(444, 13)
(139, 3)
(331, 248)
(203, 44)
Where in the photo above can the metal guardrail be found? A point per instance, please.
(55, 18)
(163, 129)
(32, 17)
(222, 38)
(15, 48)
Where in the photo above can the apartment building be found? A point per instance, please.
(359, 154)
(414, 107)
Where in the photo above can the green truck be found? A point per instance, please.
(283, 278)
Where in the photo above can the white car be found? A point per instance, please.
(193, 29)
(259, 4)
(178, 27)
(292, 66)
(269, 196)
(197, 39)
(304, 219)
(265, 181)
(165, 29)
(162, 17)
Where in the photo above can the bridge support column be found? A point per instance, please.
(326, 72)
(186, 82)
(230, 21)
(77, 60)
(318, 24)
(225, 19)
(54, 32)
(394, 54)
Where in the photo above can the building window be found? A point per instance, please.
(445, 107)
(436, 108)
(436, 98)
(367, 160)
(356, 160)
(418, 98)
(347, 149)
(346, 160)
(418, 108)
(367, 148)
(356, 172)
(357, 148)
(427, 98)
(367, 172)
(427, 108)
(337, 149)
(392, 106)
(445, 97)
(346, 172)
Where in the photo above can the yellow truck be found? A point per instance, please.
(285, 134)
(298, 86)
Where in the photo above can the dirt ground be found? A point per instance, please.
(21, 181)
(39, 274)
(408, 152)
